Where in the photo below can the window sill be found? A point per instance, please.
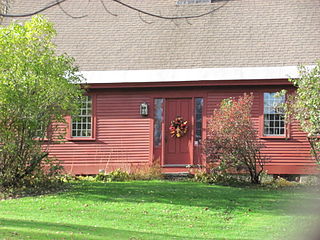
(275, 137)
(42, 139)
(81, 139)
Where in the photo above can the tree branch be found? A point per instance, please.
(58, 2)
(170, 17)
(106, 9)
(145, 21)
(33, 13)
(68, 14)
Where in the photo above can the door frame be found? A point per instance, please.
(163, 143)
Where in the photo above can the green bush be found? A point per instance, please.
(44, 178)
(118, 175)
(115, 176)
(38, 88)
(203, 177)
(280, 182)
(219, 175)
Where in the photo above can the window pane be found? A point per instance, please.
(198, 119)
(81, 124)
(158, 117)
(273, 115)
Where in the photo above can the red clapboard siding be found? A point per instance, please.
(122, 137)
(285, 156)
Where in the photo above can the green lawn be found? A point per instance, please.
(157, 210)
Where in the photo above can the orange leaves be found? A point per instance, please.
(178, 127)
(232, 138)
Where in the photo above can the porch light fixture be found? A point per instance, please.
(144, 109)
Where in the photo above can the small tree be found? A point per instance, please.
(232, 140)
(304, 106)
(37, 88)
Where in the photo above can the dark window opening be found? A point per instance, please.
(198, 120)
(158, 118)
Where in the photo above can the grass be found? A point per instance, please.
(156, 210)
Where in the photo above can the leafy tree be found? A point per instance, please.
(232, 141)
(304, 105)
(37, 89)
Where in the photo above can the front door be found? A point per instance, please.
(178, 150)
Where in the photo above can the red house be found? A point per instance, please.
(145, 71)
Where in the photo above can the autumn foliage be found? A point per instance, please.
(232, 139)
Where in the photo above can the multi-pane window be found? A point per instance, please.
(198, 119)
(274, 122)
(158, 117)
(42, 131)
(82, 123)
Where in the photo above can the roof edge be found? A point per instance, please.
(195, 74)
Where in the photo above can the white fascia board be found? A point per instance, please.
(197, 74)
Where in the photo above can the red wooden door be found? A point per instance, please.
(178, 151)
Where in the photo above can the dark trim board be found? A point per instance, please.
(201, 83)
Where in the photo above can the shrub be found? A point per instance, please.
(203, 177)
(216, 177)
(280, 182)
(37, 89)
(148, 173)
(115, 176)
(43, 180)
(232, 144)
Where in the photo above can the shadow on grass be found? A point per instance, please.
(186, 194)
(21, 229)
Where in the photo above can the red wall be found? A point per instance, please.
(123, 138)
(289, 155)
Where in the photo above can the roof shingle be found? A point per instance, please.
(244, 33)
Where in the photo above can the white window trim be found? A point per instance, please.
(86, 123)
(264, 120)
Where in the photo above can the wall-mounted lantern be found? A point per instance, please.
(144, 109)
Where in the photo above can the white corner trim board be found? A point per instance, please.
(196, 74)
